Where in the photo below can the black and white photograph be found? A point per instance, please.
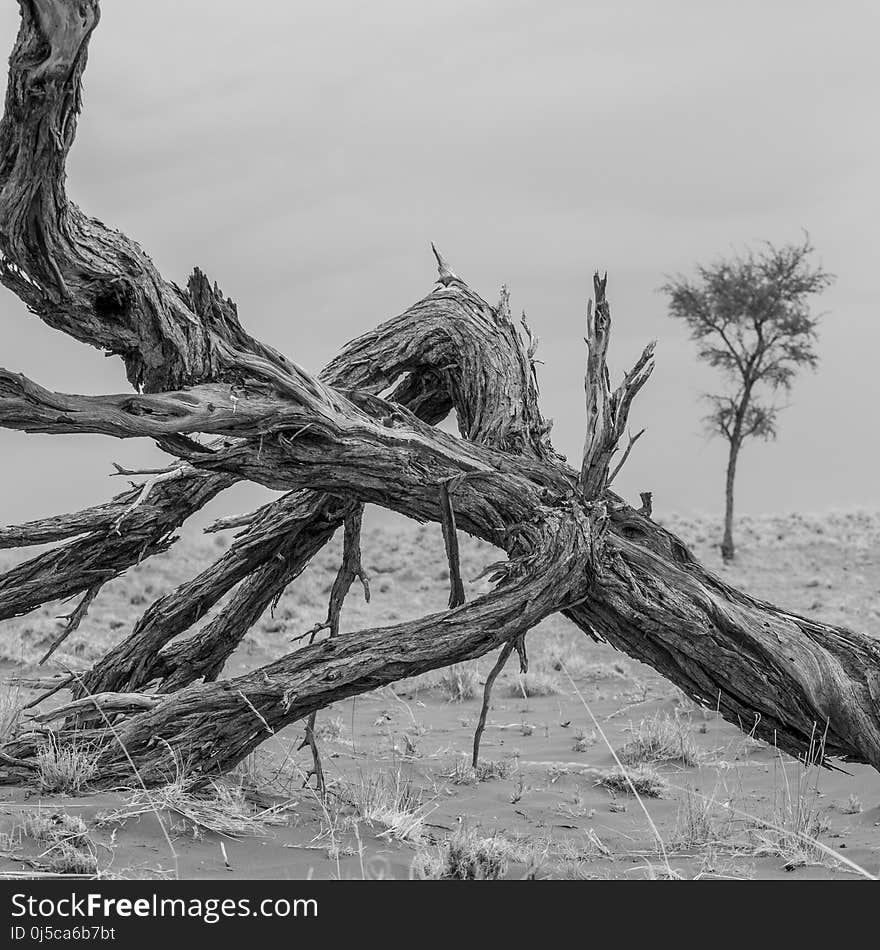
(437, 443)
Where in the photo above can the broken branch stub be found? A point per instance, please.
(607, 409)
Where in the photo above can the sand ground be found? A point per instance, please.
(548, 800)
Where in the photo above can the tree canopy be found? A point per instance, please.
(750, 317)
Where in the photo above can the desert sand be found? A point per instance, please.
(549, 799)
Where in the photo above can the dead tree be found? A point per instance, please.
(227, 407)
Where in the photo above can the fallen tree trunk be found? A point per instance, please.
(230, 407)
(209, 728)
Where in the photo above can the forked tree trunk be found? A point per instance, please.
(226, 407)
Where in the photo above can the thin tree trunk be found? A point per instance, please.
(727, 547)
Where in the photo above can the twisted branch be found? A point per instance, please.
(232, 408)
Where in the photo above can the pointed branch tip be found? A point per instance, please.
(446, 275)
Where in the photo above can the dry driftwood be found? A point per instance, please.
(229, 407)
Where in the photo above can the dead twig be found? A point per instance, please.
(632, 441)
(503, 657)
(73, 619)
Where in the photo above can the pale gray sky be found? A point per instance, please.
(305, 154)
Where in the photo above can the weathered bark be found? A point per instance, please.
(272, 552)
(450, 541)
(451, 324)
(210, 727)
(607, 410)
(361, 432)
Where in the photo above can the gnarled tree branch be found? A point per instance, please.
(362, 430)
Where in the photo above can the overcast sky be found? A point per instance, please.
(305, 154)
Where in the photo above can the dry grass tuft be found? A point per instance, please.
(465, 856)
(70, 849)
(533, 684)
(792, 827)
(389, 801)
(487, 770)
(67, 766)
(644, 779)
(329, 729)
(10, 711)
(699, 825)
(459, 683)
(853, 806)
(660, 739)
(468, 855)
(222, 808)
(584, 740)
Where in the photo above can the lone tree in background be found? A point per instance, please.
(750, 318)
(225, 407)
